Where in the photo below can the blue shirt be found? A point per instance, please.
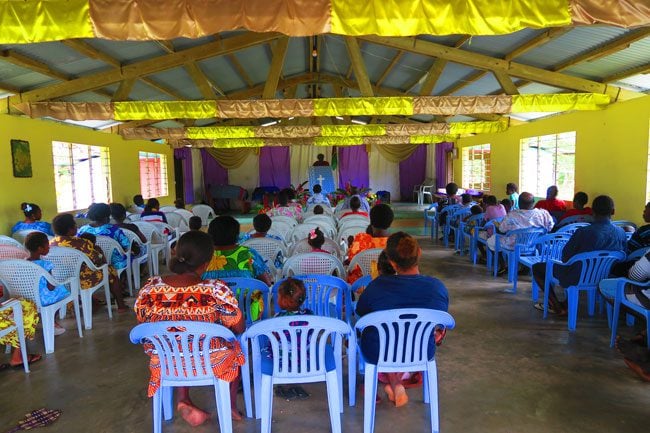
(599, 235)
(388, 292)
(40, 226)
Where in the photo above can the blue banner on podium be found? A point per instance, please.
(322, 176)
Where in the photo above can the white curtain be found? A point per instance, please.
(431, 162)
(197, 175)
(248, 174)
(384, 175)
(302, 157)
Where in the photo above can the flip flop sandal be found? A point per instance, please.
(300, 393)
(287, 394)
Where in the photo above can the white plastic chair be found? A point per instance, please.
(177, 221)
(17, 313)
(6, 240)
(20, 235)
(285, 219)
(302, 247)
(158, 243)
(166, 209)
(137, 261)
(169, 234)
(365, 259)
(356, 226)
(185, 361)
(269, 249)
(133, 217)
(205, 212)
(21, 279)
(281, 229)
(13, 252)
(351, 219)
(108, 245)
(319, 219)
(313, 263)
(301, 232)
(67, 264)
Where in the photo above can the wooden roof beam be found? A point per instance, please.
(124, 89)
(389, 68)
(277, 62)
(537, 41)
(360, 72)
(506, 83)
(432, 76)
(643, 69)
(202, 82)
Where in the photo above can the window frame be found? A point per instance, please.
(471, 164)
(148, 187)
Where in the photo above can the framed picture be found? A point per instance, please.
(21, 159)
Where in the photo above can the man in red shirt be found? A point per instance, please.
(551, 204)
(579, 208)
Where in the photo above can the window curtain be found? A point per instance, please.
(303, 157)
(275, 169)
(412, 171)
(185, 156)
(441, 163)
(353, 166)
(213, 172)
(383, 174)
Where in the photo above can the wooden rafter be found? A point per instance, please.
(360, 72)
(389, 68)
(202, 82)
(123, 90)
(506, 83)
(643, 69)
(275, 70)
(144, 67)
(240, 69)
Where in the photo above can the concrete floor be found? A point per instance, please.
(503, 369)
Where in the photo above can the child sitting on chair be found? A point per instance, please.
(38, 245)
(316, 239)
(195, 223)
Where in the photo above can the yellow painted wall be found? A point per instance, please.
(611, 153)
(39, 189)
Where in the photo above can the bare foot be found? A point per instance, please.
(236, 414)
(401, 398)
(637, 369)
(192, 414)
(389, 391)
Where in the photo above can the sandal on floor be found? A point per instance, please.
(540, 307)
(32, 358)
(285, 393)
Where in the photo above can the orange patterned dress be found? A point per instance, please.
(208, 301)
(362, 242)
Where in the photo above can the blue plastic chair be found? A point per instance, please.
(524, 244)
(570, 229)
(473, 222)
(244, 289)
(431, 214)
(595, 266)
(447, 211)
(479, 240)
(614, 311)
(453, 222)
(185, 361)
(321, 290)
(547, 247)
(403, 346)
(637, 254)
(304, 349)
(574, 219)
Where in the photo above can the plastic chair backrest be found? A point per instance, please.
(182, 347)
(301, 232)
(20, 235)
(596, 265)
(623, 223)
(6, 240)
(298, 343)
(571, 228)
(404, 334)
(67, 262)
(281, 228)
(166, 209)
(321, 289)
(302, 247)
(450, 209)
(365, 259)
(177, 220)
(108, 245)
(268, 248)
(525, 238)
(550, 246)
(150, 231)
(326, 210)
(244, 288)
(313, 263)
(477, 219)
(319, 219)
(13, 252)
(285, 219)
(205, 212)
(361, 282)
(353, 220)
(346, 232)
(637, 254)
(21, 279)
(133, 217)
(575, 219)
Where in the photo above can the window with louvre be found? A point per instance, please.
(548, 160)
(153, 175)
(476, 167)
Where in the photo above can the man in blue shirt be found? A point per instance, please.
(600, 235)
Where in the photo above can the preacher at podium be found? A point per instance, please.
(323, 176)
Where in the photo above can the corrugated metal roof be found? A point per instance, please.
(636, 55)
(222, 73)
(640, 82)
(127, 52)
(499, 46)
(255, 61)
(179, 80)
(485, 85)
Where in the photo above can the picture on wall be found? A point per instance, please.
(21, 159)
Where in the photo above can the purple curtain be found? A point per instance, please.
(412, 172)
(185, 155)
(353, 166)
(275, 169)
(213, 173)
(441, 163)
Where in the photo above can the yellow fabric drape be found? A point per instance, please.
(217, 132)
(478, 127)
(430, 139)
(337, 141)
(352, 130)
(225, 143)
(41, 21)
(445, 17)
(453, 105)
(230, 158)
(163, 110)
(246, 109)
(386, 106)
(395, 153)
(561, 102)
(291, 131)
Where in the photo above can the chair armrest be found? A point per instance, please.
(9, 303)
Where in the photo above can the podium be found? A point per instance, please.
(323, 176)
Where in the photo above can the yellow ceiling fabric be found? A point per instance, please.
(559, 102)
(446, 17)
(396, 153)
(478, 127)
(42, 21)
(164, 110)
(208, 132)
(385, 106)
(352, 130)
(225, 143)
(430, 139)
(230, 158)
(338, 141)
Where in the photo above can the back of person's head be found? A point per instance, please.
(526, 201)
(179, 203)
(491, 200)
(381, 216)
(35, 240)
(317, 189)
(552, 192)
(580, 200)
(511, 188)
(30, 210)
(355, 203)
(466, 198)
(369, 230)
(138, 200)
(195, 223)
(224, 230)
(383, 265)
(316, 238)
(451, 188)
(118, 212)
(89, 236)
(320, 157)
(63, 223)
(99, 212)
(291, 294)
(152, 204)
(318, 210)
(507, 203)
(403, 250)
(262, 223)
(283, 198)
(603, 206)
(476, 209)
(193, 250)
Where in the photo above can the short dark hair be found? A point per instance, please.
(35, 240)
(118, 212)
(466, 198)
(476, 209)
(381, 216)
(581, 197)
(283, 198)
(291, 294)
(99, 212)
(383, 265)
(552, 191)
(193, 249)
(89, 236)
(526, 200)
(403, 250)
(138, 200)
(152, 203)
(451, 188)
(318, 210)
(29, 209)
(491, 200)
(195, 222)
(317, 239)
(262, 223)
(179, 203)
(512, 187)
(224, 230)
(320, 156)
(355, 202)
(507, 203)
(317, 189)
(603, 206)
(62, 224)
